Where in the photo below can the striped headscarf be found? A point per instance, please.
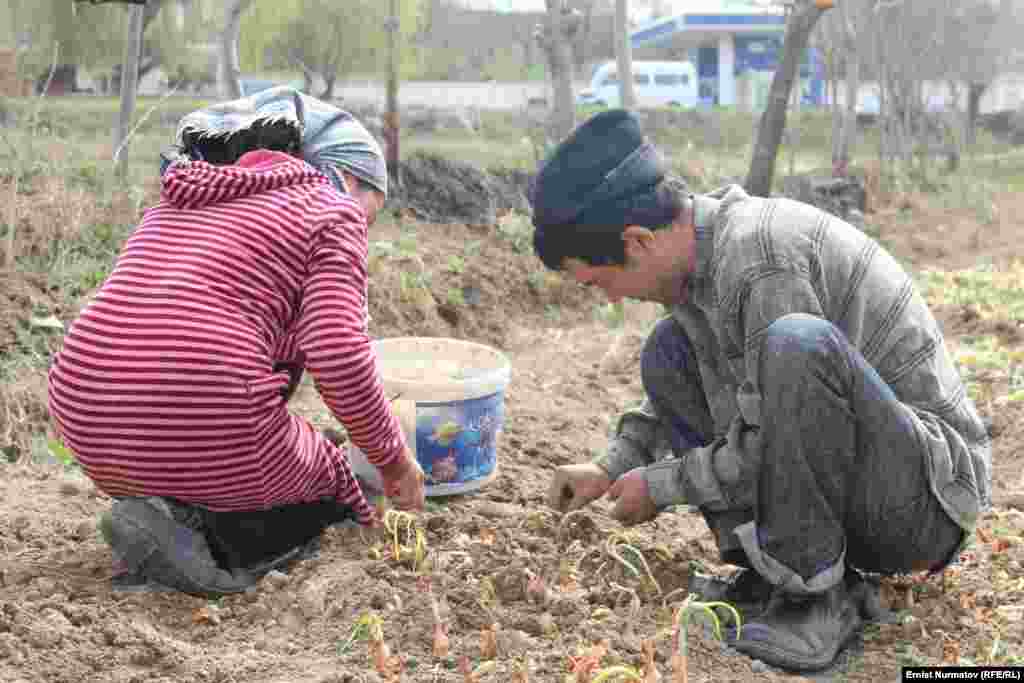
(329, 139)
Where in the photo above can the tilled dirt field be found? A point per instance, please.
(60, 621)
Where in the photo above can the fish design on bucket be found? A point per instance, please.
(445, 469)
(446, 433)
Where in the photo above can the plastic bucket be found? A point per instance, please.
(450, 401)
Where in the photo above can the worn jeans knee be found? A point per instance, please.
(844, 471)
(666, 354)
(793, 340)
(672, 382)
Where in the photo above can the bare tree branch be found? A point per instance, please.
(230, 70)
(129, 86)
(887, 4)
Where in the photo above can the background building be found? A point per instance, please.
(735, 47)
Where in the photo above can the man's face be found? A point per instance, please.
(617, 282)
(657, 266)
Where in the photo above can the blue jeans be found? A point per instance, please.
(840, 475)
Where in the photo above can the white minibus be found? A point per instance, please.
(657, 84)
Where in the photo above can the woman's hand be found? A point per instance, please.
(404, 483)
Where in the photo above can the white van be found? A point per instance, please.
(657, 84)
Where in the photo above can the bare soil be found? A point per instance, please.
(60, 621)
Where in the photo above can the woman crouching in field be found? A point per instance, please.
(172, 386)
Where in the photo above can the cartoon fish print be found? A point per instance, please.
(444, 469)
(446, 433)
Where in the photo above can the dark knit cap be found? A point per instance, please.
(584, 192)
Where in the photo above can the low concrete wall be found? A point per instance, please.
(509, 96)
(447, 94)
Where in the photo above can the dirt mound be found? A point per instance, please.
(963, 320)
(441, 190)
(470, 282)
(926, 234)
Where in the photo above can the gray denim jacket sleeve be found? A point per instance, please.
(638, 441)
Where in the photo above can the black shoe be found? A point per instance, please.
(803, 632)
(746, 590)
(163, 541)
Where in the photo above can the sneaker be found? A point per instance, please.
(745, 589)
(803, 632)
(163, 541)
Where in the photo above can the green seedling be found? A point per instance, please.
(62, 453)
(618, 673)
(615, 547)
(680, 651)
(369, 626)
(415, 546)
(456, 264)
(455, 297)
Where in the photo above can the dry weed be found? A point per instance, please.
(22, 412)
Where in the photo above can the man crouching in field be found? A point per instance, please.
(800, 390)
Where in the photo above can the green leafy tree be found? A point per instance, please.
(326, 38)
(91, 36)
(84, 35)
(175, 40)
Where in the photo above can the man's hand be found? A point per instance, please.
(403, 483)
(574, 486)
(633, 504)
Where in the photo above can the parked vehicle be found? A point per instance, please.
(657, 84)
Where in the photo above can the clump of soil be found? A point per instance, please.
(838, 196)
(23, 296)
(441, 190)
(963, 320)
(926, 234)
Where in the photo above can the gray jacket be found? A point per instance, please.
(761, 259)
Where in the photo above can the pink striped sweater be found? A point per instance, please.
(165, 383)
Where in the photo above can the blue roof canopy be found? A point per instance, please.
(694, 29)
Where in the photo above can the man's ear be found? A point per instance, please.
(637, 238)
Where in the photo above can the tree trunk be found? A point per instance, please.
(557, 43)
(773, 121)
(847, 116)
(848, 131)
(832, 61)
(129, 85)
(230, 70)
(624, 56)
(153, 8)
(329, 80)
(392, 124)
(975, 91)
(307, 73)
